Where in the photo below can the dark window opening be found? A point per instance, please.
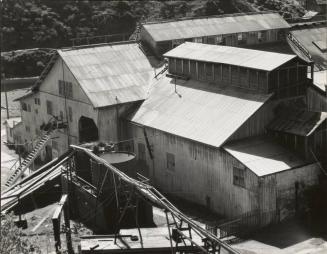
(170, 161)
(238, 177)
(88, 131)
(49, 107)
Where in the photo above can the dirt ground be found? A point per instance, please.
(289, 237)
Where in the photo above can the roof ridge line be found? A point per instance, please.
(206, 17)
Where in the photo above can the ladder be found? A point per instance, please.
(29, 159)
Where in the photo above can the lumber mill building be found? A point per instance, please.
(210, 130)
(239, 30)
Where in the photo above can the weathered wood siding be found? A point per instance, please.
(277, 191)
(49, 91)
(316, 101)
(201, 173)
(256, 124)
(220, 74)
(236, 39)
(290, 79)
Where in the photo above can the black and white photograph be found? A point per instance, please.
(163, 127)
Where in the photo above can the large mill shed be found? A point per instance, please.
(183, 129)
(231, 30)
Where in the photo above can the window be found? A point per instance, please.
(37, 101)
(199, 40)
(54, 145)
(65, 88)
(239, 37)
(141, 150)
(49, 107)
(219, 39)
(27, 128)
(61, 85)
(61, 115)
(36, 111)
(69, 90)
(70, 114)
(170, 161)
(28, 107)
(238, 177)
(24, 106)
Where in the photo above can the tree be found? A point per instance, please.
(12, 241)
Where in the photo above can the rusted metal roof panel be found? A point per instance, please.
(111, 74)
(248, 58)
(263, 156)
(199, 27)
(298, 122)
(197, 110)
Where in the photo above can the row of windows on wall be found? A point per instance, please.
(220, 73)
(61, 114)
(65, 88)
(230, 39)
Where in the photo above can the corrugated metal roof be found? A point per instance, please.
(111, 74)
(11, 122)
(197, 111)
(298, 122)
(264, 156)
(209, 26)
(320, 79)
(249, 58)
(307, 37)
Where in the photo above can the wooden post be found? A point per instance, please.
(230, 74)
(197, 70)
(248, 77)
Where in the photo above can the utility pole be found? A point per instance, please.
(7, 108)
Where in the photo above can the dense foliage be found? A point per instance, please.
(52, 24)
(12, 240)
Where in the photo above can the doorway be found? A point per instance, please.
(88, 131)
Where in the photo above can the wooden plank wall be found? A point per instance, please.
(277, 191)
(256, 124)
(220, 74)
(201, 172)
(316, 101)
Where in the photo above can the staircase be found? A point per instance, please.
(18, 171)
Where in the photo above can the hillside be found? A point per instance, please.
(53, 24)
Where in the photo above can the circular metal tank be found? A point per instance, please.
(124, 161)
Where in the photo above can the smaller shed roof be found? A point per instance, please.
(263, 156)
(11, 122)
(216, 25)
(298, 122)
(248, 58)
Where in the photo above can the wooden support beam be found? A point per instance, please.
(56, 222)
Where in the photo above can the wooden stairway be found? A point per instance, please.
(18, 171)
